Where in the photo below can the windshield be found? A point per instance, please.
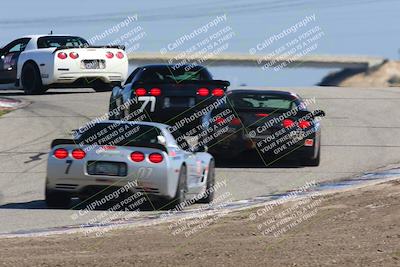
(61, 41)
(259, 101)
(170, 74)
(119, 134)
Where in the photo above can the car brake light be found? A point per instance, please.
(236, 121)
(73, 55)
(109, 55)
(203, 92)
(78, 153)
(62, 55)
(262, 115)
(304, 124)
(220, 120)
(218, 92)
(287, 123)
(137, 156)
(60, 153)
(155, 157)
(155, 91)
(140, 92)
(119, 55)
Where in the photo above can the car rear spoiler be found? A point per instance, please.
(57, 142)
(200, 83)
(299, 113)
(122, 47)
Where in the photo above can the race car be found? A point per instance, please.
(173, 94)
(276, 124)
(111, 154)
(37, 62)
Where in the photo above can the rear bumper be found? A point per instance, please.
(88, 77)
(91, 186)
(181, 119)
(231, 145)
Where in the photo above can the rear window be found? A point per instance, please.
(119, 134)
(61, 41)
(259, 101)
(170, 74)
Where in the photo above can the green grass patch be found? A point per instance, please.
(2, 112)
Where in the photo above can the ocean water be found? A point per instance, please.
(349, 27)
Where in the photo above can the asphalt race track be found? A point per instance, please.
(359, 134)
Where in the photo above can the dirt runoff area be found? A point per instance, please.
(359, 227)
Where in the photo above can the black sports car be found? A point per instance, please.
(171, 94)
(275, 123)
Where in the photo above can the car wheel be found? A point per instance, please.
(313, 162)
(57, 199)
(113, 110)
(102, 87)
(31, 80)
(209, 197)
(180, 195)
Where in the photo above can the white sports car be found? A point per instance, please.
(111, 154)
(38, 62)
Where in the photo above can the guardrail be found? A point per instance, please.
(312, 61)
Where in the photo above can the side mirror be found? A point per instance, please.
(318, 113)
(161, 140)
(201, 149)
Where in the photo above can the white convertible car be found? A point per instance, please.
(38, 62)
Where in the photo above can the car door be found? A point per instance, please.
(9, 59)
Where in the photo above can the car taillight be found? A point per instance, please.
(220, 120)
(73, 55)
(155, 91)
(262, 115)
(109, 55)
(137, 156)
(304, 124)
(287, 123)
(155, 157)
(119, 55)
(203, 92)
(78, 154)
(218, 92)
(140, 92)
(62, 55)
(236, 121)
(60, 153)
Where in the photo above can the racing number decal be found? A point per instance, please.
(146, 100)
(8, 61)
(69, 163)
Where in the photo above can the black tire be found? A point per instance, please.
(209, 197)
(102, 87)
(180, 195)
(111, 108)
(57, 199)
(31, 80)
(313, 162)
